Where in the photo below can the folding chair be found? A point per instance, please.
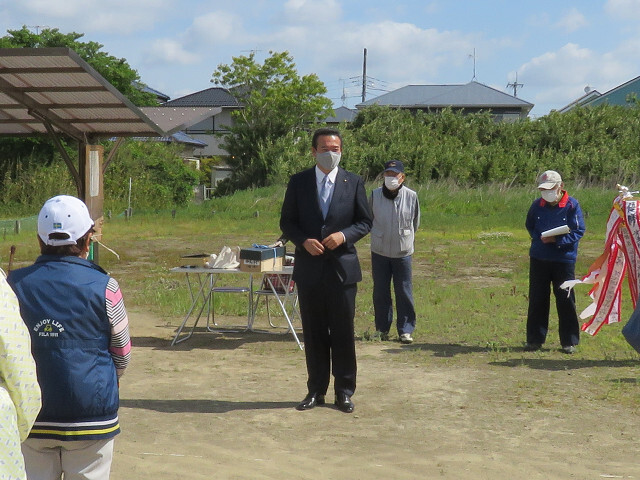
(215, 290)
(280, 283)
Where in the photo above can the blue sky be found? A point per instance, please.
(556, 47)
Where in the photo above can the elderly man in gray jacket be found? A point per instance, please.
(396, 217)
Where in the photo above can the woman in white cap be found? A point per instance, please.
(556, 225)
(81, 345)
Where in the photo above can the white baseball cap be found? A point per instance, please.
(549, 179)
(63, 214)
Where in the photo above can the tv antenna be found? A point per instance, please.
(474, 64)
(38, 27)
(253, 51)
(344, 93)
(515, 86)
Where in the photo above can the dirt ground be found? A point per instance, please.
(222, 406)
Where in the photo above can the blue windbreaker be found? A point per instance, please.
(542, 217)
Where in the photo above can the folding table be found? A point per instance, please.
(201, 292)
(276, 283)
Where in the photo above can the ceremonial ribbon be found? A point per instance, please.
(619, 259)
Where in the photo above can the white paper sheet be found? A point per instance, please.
(556, 231)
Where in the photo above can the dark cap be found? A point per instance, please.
(394, 166)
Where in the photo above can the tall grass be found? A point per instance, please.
(470, 264)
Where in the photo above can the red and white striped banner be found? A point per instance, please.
(621, 257)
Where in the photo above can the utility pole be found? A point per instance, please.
(515, 86)
(364, 77)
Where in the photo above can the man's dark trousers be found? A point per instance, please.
(319, 317)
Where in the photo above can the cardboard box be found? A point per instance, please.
(261, 259)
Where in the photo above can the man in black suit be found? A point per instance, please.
(324, 213)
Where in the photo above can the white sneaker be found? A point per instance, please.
(406, 338)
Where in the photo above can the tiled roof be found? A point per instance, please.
(178, 137)
(470, 95)
(162, 97)
(211, 97)
(342, 114)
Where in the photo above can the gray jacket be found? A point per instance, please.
(394, 222)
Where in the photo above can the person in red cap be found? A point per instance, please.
(556, 225)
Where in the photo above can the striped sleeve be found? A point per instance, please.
(120, 344)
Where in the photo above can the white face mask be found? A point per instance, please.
(392, 183)
(549, 195)
(328, 160)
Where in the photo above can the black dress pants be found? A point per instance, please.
(327, 310)
(543, 274)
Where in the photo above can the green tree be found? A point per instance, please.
(21, 154)
(115, 70)
(160, 177)
(276, 102)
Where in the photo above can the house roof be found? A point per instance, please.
(617, 95)
(178, 137)
(211, 97)
(342, 114)
(181, 137)
(162, 97)
(581, 101)
(53, 88)
(173, 118)
(469, 95)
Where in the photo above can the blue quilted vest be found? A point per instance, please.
(62, 302)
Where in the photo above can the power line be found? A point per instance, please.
(365, 82)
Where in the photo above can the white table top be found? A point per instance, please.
(285, 270)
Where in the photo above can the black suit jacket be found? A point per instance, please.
(301, 218)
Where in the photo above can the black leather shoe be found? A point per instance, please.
(344, 403)
(310, 401)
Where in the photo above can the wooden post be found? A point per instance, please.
(90, 168)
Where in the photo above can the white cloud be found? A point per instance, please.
(560, 67)
(311, 12)
(397, 52)
(215, 27)
(112, 16)
(432, 8)
(538, 20)
(623, 9)
(559, 77)
(45, 8)
(572, 21)
(209, 33)
(170, 51)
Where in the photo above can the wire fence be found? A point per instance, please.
(17, 225)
